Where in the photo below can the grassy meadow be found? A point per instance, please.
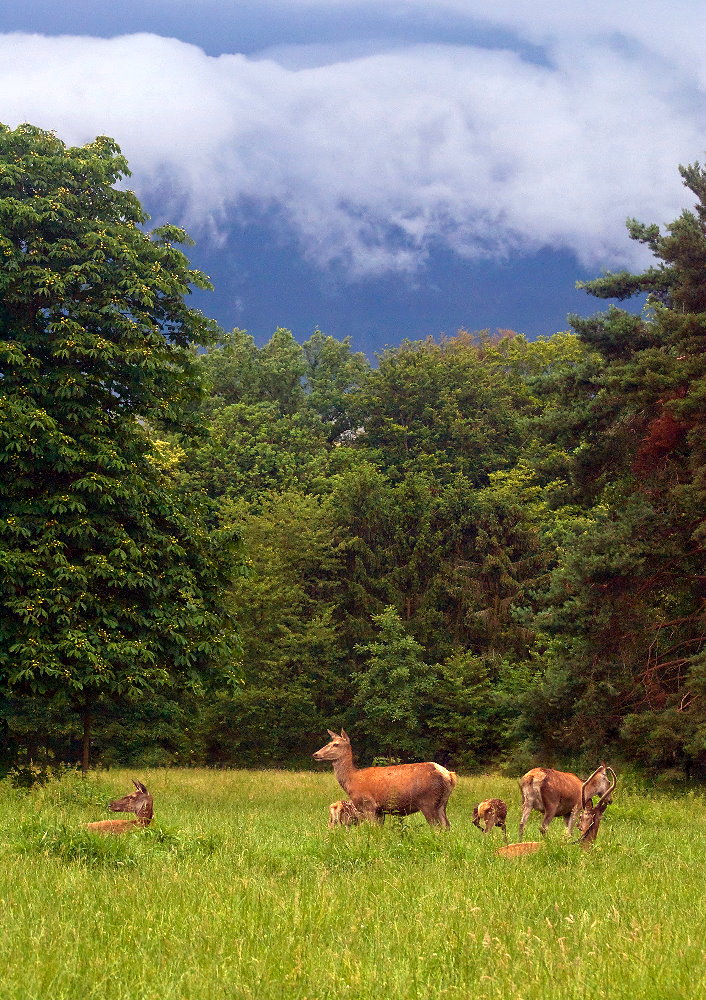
(239, 890)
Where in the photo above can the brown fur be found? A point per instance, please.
(591, 816)
(557, 793)
(519, 850)
(399, 789)
(138, 802)
(490, 812)
(342, 813)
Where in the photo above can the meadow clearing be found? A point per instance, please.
(239, 890)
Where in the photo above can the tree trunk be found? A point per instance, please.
(87, 716)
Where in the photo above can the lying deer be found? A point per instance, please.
(558, 793)
(138, 802)
(400, 789)
(491, 812)
(520, 850)
(342, 813)
(591, 816)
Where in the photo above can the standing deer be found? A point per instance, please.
(138, 802)
(491, 812)
(558, 793)
(342, 813)
(591, 816)
(400, 789)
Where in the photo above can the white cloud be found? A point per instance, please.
(375, 157)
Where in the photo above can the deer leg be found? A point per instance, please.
(526, 810)
(571, 819)
(368, 810)
(432, 814)
(548, 817)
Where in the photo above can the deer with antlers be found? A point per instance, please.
(558, 793)
(590, 816)
(138, 802)
(399, 789)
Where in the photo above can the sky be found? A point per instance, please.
(380, 169)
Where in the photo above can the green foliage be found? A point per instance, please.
(443, 408)
(111, 578)
(452, 559)
(264, 724)
(462, 713)
(26, 772)
(284, 609)
(623, 617)
(392, 690)
(483, 548)
(453, 711)
(337, 527)
(274, 414)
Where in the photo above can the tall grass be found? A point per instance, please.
(238, 890)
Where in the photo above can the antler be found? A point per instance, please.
(605, 797)
(583, 786)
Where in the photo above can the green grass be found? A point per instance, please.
(238, 890)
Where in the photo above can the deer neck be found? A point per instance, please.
(344, 769)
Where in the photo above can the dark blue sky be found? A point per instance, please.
(379, 169)
(261, 282)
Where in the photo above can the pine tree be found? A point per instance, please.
(625, 618)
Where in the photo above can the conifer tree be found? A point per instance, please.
(625, 614)
(392, 690)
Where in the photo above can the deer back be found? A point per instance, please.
(548, 790)
(490, 812)
(400, 787)
(114, 826)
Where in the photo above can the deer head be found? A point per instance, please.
(591, 816)
(138, 802)
(335, 748)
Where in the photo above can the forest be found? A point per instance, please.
(478, 549)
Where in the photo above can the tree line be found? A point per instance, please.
(475, 548)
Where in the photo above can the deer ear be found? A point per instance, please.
(334, 736)
(344, 735)
(140, 787)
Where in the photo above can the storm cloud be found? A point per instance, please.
(375, 154)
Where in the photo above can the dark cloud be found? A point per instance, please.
(380, 142)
